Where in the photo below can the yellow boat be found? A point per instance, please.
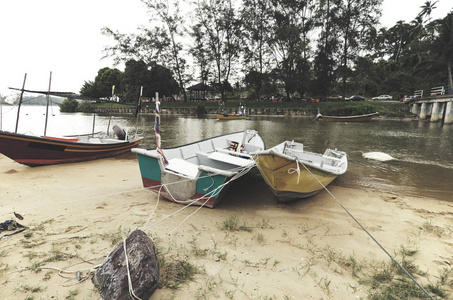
(230, 116)
(357, 118)
(293, 173)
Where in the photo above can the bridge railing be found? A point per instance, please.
(418, 93)
(435, 91)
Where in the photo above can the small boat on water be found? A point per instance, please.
(292, 173)
(199, 173)
(33, 150)
(230, 116)
(241, 115)
(357, 118)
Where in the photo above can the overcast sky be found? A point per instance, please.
(40, 36)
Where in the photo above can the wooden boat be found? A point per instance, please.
(292, 173)
(38, 150)
(34, 150)
(241, 115)
(198, 173)
(357, 118)
(230, 116)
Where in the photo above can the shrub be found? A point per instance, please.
(69, 105)
(200, 111)
(85, 106)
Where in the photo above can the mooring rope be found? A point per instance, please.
(129, 280)
(369, 234)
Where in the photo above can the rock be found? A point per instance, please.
(111, 278)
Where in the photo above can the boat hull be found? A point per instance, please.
(205, 191)
(38, 151)
(230, 117)
(198, 173)
(358, 118)
(285, 183)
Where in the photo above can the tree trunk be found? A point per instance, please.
(450, 81)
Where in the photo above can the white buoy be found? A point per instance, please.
(380, 156)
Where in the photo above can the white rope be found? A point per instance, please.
(129, 280)
(292, 170)
(369, 234)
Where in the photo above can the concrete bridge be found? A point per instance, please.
(438, 108)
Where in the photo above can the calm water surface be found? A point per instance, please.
(423, 150)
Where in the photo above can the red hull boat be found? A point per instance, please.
(37, 151)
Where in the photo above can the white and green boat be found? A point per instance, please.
(198, 173)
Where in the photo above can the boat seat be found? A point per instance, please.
(331, 157)
(230, 159)
(182, 167)
(233, 153)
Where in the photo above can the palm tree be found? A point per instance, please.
(427, 9)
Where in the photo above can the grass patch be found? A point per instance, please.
(72, 294)
(114, 237)
(25, 288)
(232, 224)
(175, 271)
(389, 282)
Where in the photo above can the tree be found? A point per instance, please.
(106, 79)
(157, 45)
(357, 21)
(173, 23)
(255, 16)
(218, 26)
(103, 83)
(324, 62)
(290, 44)
(443, 46)
(155, 79)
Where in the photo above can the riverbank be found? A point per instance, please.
(248, 247)
(392, 109)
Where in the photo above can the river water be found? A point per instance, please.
(423, 150)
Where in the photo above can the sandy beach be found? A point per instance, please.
(306, 249)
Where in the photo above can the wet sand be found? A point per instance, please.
(306, 249)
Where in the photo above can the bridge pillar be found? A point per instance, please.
(423, 111)
(414, 108)
(449, 113)
(437, 112)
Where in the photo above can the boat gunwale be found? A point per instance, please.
(74, 144)
(153, 153)
(272, 151)
(351, 117)
(199, 141)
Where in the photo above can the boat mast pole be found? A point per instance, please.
(94, 121)
(1, 112)
(47, 104)
(20, 102)
(139, 105)
(111, 107)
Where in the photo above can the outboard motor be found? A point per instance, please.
(120, 133)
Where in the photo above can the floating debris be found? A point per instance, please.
(380, 156)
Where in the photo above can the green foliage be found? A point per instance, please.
(200, 111)
(127, 84)
(358, 108)
(85, 106)
(273, 41)
(69, 105)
